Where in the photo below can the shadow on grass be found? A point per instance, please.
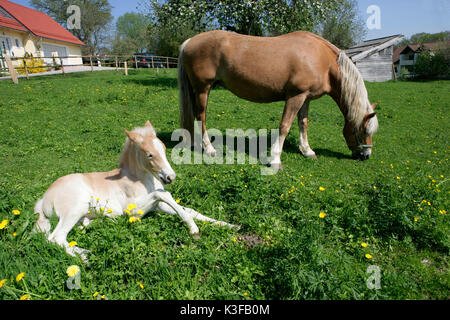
(289, 146)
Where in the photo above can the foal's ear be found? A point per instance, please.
(133, 136)
(148, 124)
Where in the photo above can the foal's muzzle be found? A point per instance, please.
(167, 178)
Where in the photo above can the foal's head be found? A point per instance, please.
(150, 155)
(359, 140)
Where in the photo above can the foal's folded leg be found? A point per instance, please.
(161, 196)
(196, 215)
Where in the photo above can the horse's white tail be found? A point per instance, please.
(43, 223)
(186, 96)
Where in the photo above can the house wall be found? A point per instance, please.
(378, 66)
(31, 44)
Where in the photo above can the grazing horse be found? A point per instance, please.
(139, 181)
(297, 67)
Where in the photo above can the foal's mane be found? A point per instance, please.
(354, 97)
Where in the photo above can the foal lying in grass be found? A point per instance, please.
(143, 171)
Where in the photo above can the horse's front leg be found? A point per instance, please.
(202, 103)
(304, 147)
(292, 106)
(196, 215)
(151, 201)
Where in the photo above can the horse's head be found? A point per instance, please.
(151, 153)
(359, 140)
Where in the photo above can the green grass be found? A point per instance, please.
(53, 126)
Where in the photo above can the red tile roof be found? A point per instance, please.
(37, 22)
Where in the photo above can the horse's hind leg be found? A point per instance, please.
(202, 103)
(304, 147)
(66, 222)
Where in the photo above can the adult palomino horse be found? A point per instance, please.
(297, 67)
(139, 181)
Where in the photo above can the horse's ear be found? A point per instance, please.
(373, 106)
(369, 116)
(148, 124)
(133, 136)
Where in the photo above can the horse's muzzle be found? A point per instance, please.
(361, 155)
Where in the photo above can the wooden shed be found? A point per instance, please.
(373, 58)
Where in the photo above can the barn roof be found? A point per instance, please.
(368, 47)
(15, 16)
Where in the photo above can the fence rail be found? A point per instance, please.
(27, 64)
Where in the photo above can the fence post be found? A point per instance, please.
(90, 60)
(62, 67)
(126, 67)
(26, 68)
(12, 71)
(116, 63)
(135, 62)
(153, 65)
(167, 60)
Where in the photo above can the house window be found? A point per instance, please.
(17, 41)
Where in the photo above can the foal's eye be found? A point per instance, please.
(149, 155)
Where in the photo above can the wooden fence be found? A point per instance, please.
(7, 64)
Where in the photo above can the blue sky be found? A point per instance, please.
(396, 16)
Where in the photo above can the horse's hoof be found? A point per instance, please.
(196, 235)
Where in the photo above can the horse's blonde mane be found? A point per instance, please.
(354, 95)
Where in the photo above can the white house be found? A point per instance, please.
(24, 30)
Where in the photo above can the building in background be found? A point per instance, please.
(373, 58)
(24, 30)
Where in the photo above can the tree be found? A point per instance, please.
(423, 37)
(254, 17)
(344, 26)
(95, 19)
(132, 33)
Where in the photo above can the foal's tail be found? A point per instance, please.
(43, 223)
(186, 97)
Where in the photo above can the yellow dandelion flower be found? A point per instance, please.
(442, 211)
(416, 219)
(72, 270)
(95, 294)
(131, 206)
(214, 175)
(364, 245)
(141, 285)
(109, 211)
(177, 201)
(127, 211)
(2, 282)
(14, 234)
(3, 224)
(72, 243)
(374, 187)
(218, 223)
(234, 240)
(140, 212)
(20, 276)
(321, 188)
(97, 198)
(322, 215)
(245, 294)
(132, 219)
(368, 256)
(25, 297)
(398, 178)
(16, 212)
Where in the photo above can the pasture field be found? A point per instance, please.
(312, 231)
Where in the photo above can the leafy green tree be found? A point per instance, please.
(344, 26)
(132, 33)
(96, 18)
(254, 17)
(431, 65)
